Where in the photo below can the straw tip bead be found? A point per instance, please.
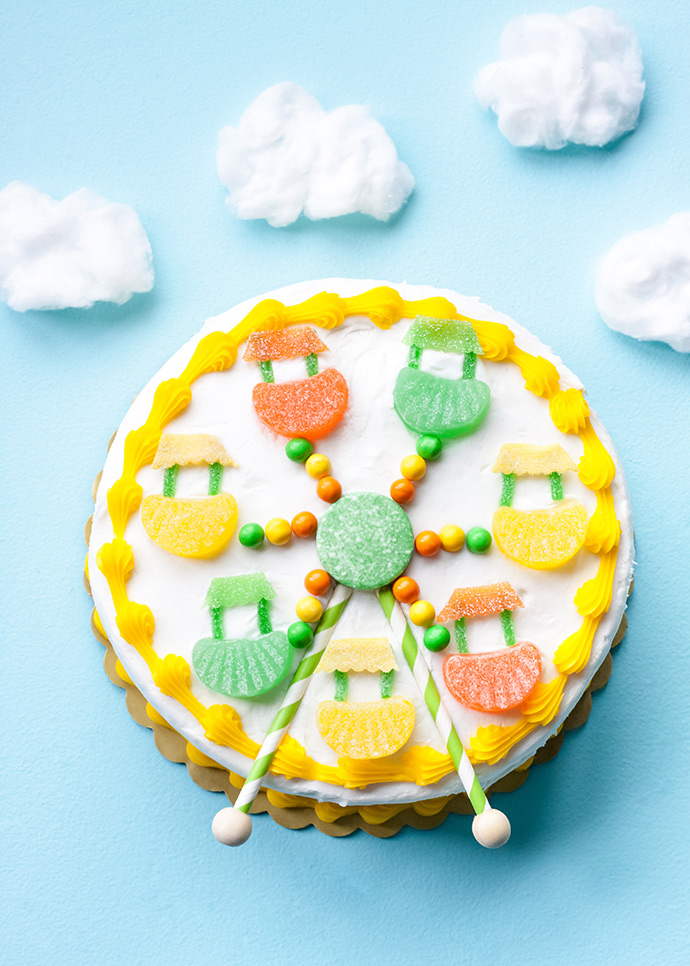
(491, 829)
(231, 826)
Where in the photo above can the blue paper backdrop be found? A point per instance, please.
(107, 846)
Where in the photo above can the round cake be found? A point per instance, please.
(364, 545)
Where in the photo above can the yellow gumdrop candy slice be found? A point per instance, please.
(193, 527)
(541, 539)
(366, 729)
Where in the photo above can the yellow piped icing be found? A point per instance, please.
(384, 307)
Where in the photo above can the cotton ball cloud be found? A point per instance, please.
(289, 156)
(643, 284)
(576, 79)
(69, 253)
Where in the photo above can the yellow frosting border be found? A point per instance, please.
(384, 307)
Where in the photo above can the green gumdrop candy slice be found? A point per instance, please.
(243, 668)
(446, 408)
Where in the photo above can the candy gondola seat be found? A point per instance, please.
(432, 404)
(242, 667)
(542, 539)
(492, 680)
(190, 526)
(309, 408)
(363, 729)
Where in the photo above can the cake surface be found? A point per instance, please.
(202, 453)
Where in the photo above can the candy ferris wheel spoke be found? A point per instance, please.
(490, 826)
(233, 825)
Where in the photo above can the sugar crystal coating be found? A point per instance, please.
(479, 601)
(366, 729)
(365, 540)
(358, 654)
(243, 668)
(444, 335)
(239, 591)
(493, 682)
(283, 344)
(541, 539)
(309, 408)
(190, 449)
(527, 459)
(445, 408)
(191, 527)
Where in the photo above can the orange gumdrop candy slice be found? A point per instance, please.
(496, 681)
(310, 408)
(283, 344)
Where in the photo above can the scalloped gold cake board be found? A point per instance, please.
(295, 812)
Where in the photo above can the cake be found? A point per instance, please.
(363, 546)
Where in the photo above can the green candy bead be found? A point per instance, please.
(429, 447)
(251, 535)
(298, 450)
(478, 540)
(436, 638)
(300, 634)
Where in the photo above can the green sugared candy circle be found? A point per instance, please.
(300, 634)
(478, 540)
(251, 535)
(429, 447)
(298, 450)
(365, 540)
(436, 638)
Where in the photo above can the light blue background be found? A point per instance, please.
(108, 851)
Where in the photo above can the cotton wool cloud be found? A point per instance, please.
(70, 253)
(288, 156)
(565, 79)
(643, 284)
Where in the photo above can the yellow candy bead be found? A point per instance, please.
(422, 613)
(278, 531)
(318, 466)
(452, 538)
(413, 468)
(309, 610)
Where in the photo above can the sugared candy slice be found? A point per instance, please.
(444, 335)
(358, 654)
(445, 408)
(366, 729)
(191, 527)
(283, 344)
(310, 408)
(527, 459)
(496, 681)
(239, 591)
(243, 668)
(479, 601)
(190, 449)
(541, 539)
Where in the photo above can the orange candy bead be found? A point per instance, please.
(328, 489)
(427, 543)
(304, 524)
(402, 491)
(406, 590)
(317, 582)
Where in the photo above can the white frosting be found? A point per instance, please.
(365, 451)
(289, 156)
(69, 253)
(643, 283)
(573, 79)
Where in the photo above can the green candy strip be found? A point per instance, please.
(508, 629)
(238, 591)
(508, 490)
(170, 480)
(266, 367)
(312, 363)
(414, 357)
(217, 622)
(461, 636)
(556, 486)
(444, 335)
(215, 478)
(263, 617)
(469, 365)
(340, 685)
(387, 683)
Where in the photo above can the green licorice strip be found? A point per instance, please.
(414, 357)
(508, 491)
(312, 363)
(469, 365)
(263, 616)
(215, 478)
(508, 629)
(217, 622)
(170, 479)
(461, 636)
(266, 367)
(340, 685)
(556, 486)
(387, 683)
